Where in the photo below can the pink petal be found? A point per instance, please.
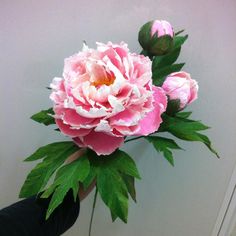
(125, 118)
(151, 122)
(66, 129)
(78, 142)
(73, 118)
(102, 143)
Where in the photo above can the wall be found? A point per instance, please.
(35, 37)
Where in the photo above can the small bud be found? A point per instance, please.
(180, 88)
(156, 37)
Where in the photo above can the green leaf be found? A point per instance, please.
(44, 117)
(186, 129)
(179, 41)
(181, 125)
(124, 163)
(113, 187)
(51, 150)
(113, 192)
(207, 142)
(90, 178)
(129, 181)
(68, 177)
(54, 156)
(160, 74)
(164, 145)
(118, 160)
(165, 60)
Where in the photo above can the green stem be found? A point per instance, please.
(94, 204)
(132, 139)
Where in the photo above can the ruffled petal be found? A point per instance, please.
(67, 130)
(102, 143)
(151, 122)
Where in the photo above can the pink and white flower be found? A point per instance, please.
(106, 94)
(180, 85)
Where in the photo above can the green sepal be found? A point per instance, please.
(164, 145)
(162, 61)
(45, 117)
(173, 106)
(160, 45)
(144, 35)
(185, 114)
(179, 32)
(179, 41)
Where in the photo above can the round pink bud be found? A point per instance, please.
(180, 86)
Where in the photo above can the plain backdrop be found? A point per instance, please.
(36, 36)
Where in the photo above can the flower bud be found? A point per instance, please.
(179, 86)
(156, 37)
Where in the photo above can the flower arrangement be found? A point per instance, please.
(106, 97)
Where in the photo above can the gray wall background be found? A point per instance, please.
(36, 36)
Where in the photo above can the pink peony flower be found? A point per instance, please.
(161, 28)
(106, 94)
(179, 85)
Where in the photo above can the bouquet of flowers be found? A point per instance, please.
(106, 97)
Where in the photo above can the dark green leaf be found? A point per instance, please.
(118, 160)
(129, 181)
(113, 192)
(186, 129)
(207, 142)
(68, 177)
(53, 159)
(109, 172)
(160, 74)
(124, 163)
(51, 150)
(44, 117)
(164, 145)
(181, 125)
(90, 178)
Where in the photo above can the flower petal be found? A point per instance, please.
(102, 143)
(151, 122)
(67, 130)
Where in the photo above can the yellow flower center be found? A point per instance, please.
(108, 80)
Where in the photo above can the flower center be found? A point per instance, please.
(106, 80)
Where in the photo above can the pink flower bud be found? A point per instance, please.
(156, 37)
(180, 86)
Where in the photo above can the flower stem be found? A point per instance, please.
(132, 139)
(94, 204)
